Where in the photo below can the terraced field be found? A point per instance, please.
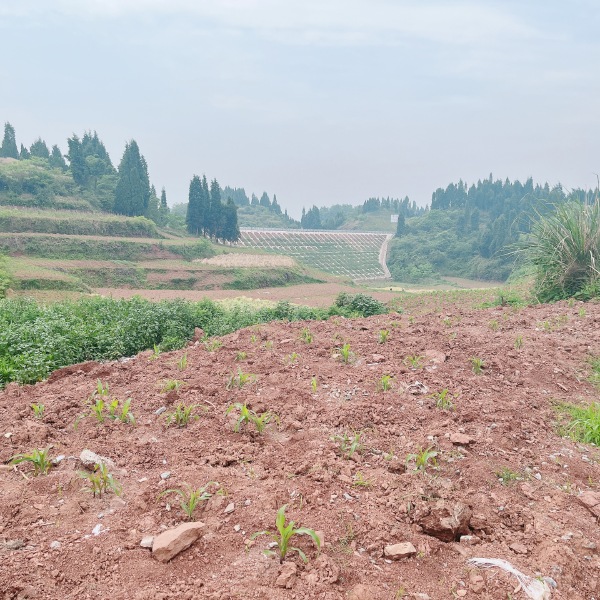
(360, 256)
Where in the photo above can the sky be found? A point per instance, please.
(317, 101)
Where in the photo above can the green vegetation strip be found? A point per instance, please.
(36, 339)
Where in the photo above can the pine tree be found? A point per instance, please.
(163, 209)
(215, 210)
(401, 226)
(24, 154)
(9, 143)
(193, 217)
(275, 206)
(132, 193)
(76, 160)
(205, 206)
(57, 160)
(264, 200)
(39, 149)
(254, 200)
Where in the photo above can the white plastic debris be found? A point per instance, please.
(536, 589)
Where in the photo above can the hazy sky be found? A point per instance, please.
(319, 101)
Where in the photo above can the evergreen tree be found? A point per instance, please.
(57, 160)
(215, 210)
(311, 219)
(193, 217)
(275, 206)
(39, 149)
(163, 209)
(264, 200)
(76, 160)
(401, 226)
(132, 193)
(24, 154)
(231, 230)
(254, 201)
(9, 143)
(205, 206)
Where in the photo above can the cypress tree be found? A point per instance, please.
(163, 209)
(215, 210)
(24, 154)
(205, 206)
(264, 200)
(193, 217)
(57, 160)
(132, 193)
(76, 160)
(39, 149)
(275, 206)
(231, 230)
(9, 143)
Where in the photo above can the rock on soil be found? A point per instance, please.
(398, 551)
(170, 543)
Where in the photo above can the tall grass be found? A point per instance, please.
(564, 249)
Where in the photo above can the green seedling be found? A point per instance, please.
(253, 339)
(101, 389)
(172, 385)
(98, 410)
(581, 312)
(385, 383)
(414, 361)
(494, 325)
(240, 379)
(39, 459)
(38, 410)
(190, 498)
(346, 355)
(360, 481)
(213, 344)
(293, 358)
(518, 342)
(478, 365)
(443, 399)
(349, 444)
(182, 362)
(284, 534)
(241, 355)
(155, 352)
(383, 336)
(247, 416)
(585, 423)
(507, 476)
(423, 458)
(101, 481)
(123, 414)
(306, 336)
(268, 345)
(314, 384)
(182, 415)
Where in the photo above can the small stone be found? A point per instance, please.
(55, 545)
(398, 551)
(147, 541)
(229, 508)
(58, 459)
(236, 528)
(170, 543)
(248, 502)
(461, 439)
(421, 596)
(287, 575)
(90, 459)
(518, 548)
(461, 593)
(165, 475)
(160, 411)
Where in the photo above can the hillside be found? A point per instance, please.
(404, 486)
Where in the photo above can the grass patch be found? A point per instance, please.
(583, 422)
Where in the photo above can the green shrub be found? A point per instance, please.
(360, 304)
(564, 249)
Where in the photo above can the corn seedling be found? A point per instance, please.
(506, 476)
(101, 389)
(98, 410)
(478, 365)
(581, 312)
(212, 344)
(293, 358)
(39, 459)
(155, 352)
(414, 361)
(182, 362)
(423, 458)
(123, 414)
(314, 384)
(268, 345)
(494, 325)
(38, 410)
(241, 355)
(247, 416)
(306, 336)
(443, 399)
(346, 355)
(383, 336)
(349, 444)
(385, 383)
(284, 534)
(172, 385)
(190, 498)
(101, 481)
(518, 342)
(182, 415)
(240, 379)
(360, 481)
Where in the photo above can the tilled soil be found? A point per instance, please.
(503, 421)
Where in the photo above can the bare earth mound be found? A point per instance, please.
(533, 514)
